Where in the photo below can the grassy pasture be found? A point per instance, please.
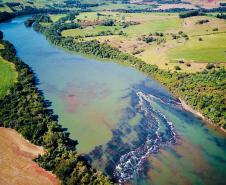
(167, 53)
(110, 6)
(56, 17)
(211, 49)
(158, 25)
(149, 22)
(5, 9)
(89, 30)
(8, 76)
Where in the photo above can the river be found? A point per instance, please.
(127, 124)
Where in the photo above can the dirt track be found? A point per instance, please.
(16, 165)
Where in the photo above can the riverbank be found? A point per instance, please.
(199, 115)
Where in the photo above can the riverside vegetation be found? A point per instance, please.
(205, 91)
(29, 114)
(25, 110)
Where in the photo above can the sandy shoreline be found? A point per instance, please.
(198, 114)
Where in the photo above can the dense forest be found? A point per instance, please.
(204, 91)
(25, 110)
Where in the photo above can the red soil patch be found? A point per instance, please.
(42, 172)
(16, 149)
(16, 165)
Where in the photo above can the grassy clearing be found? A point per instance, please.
(148, 22)
(5, 9)
(123, 6)
(8, 76)
(91, 16)
(154, 26)
(56, 17)
(89, 30)
(211, 49)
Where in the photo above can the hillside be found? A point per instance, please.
(17, 167)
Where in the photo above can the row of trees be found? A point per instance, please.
(221, 16)
(190, 13)
(38, 18)
(25, 110)
(4, 16)
(204, 91)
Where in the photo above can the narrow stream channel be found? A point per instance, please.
(127, 124)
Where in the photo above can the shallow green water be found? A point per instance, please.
(128, 125)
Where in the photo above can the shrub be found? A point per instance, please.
(174, 36)
(202, 21)
(210, 66)
(189, 13)
(109, 22)
(188, 64)
(149, 39)
(181, 61)
(180, 32)
(177, 68)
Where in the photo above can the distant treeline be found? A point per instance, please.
(78, 4)
(25, 110)
(29, 10)
(171, 10)
(212, 104)
(221, 16)
(190, 13)
(4, 16)
(222, 4)
(12, 4)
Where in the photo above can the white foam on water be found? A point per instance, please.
(131, 163)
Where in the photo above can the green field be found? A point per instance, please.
(147, 23)
(153, 26)
(169, 51)
(8, 76)
(89, 30)
(211, 49)
(117, 6)
(56, 17)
